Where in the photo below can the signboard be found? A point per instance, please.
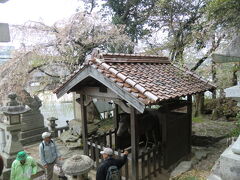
(4, 32)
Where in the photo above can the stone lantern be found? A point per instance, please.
(78, 167)
(12, 126)
(52, 124)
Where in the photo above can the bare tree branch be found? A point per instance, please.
(215, 45)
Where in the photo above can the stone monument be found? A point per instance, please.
(228, 165)
(12, 126)
(32, 121)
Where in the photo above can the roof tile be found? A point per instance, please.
(149, 78)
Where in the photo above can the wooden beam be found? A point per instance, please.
(189, 115)
(123, 106)
(88, 100)
(91, 72)
(133, 101)
(134, 144)
(94, 92)
(84, 125)
(83, 74)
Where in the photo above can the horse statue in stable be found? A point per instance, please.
(148, 126)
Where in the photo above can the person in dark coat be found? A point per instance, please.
(1, 165)
(108, 161)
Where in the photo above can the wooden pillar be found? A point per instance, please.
(76, 106)
(189, 114)
(116, 120)
(84, 125)
(134, 144)
(115, 115)
(164, 134)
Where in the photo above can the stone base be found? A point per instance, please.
(8, 159)
(32, 120)
(32, 136)
(6, 174)
(227, 167)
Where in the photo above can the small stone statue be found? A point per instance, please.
(33, 102)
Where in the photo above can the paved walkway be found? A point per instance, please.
(64, 151)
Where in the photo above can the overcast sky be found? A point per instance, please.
(47, 11)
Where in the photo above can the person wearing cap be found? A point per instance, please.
(108, 160)
(23, 167)
(50, 156)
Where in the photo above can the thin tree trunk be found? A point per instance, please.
(214, 78)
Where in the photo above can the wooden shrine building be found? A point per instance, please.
(135, 83)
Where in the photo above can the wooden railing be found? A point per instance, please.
(149, 160)
(60, 130)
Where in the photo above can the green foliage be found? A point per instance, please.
(238, 117)
(180, 19)
(188, 177)
(225, 107)
(225, 13)
(197, 119)
(133, 14)
(236, 131)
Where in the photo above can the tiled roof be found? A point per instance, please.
(149, 78)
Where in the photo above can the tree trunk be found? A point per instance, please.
(177, 53)
(199, 104)
(214, 78)
(221, 93)
(234, 74)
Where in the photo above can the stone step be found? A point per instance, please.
(36, 131)
(31, 125)
(31, 140)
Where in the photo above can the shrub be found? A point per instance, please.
(236, 131)
(225, 107)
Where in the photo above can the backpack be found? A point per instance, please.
(51, 141)
(113, 173)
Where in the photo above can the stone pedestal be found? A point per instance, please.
(12, 147)
(227, 167)
(32, 127)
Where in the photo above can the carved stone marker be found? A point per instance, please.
(32, 121)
